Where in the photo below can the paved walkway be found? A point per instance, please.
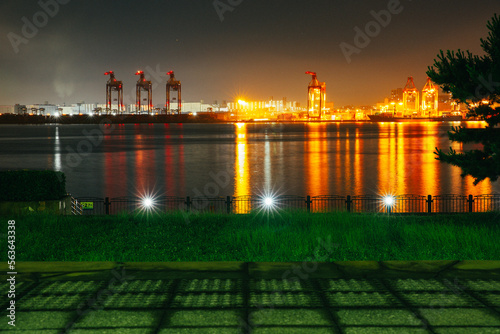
(237, 297)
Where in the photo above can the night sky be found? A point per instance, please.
(259, 50)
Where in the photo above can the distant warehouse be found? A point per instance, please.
(6, 109)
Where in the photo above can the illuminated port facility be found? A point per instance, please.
(407, 102)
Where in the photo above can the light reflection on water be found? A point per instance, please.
(242, 171)
(57, 151)
(298, 159)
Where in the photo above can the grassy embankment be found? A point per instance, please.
(284, 237)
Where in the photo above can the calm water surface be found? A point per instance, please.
(242, 159)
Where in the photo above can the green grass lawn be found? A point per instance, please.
(289, 236)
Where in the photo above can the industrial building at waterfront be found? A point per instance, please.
(403, 102)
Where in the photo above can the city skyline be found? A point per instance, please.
(221, 50)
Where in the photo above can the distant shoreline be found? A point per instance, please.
(140, 119)
(102, 119)
(206, 118)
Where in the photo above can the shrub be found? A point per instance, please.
(26, 185)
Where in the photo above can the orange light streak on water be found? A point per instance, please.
(241, 172)
(430, 180)
(316, 160)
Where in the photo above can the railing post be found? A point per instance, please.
(188, 204)
(107, 204)
(429, 203)
(348, 203)
(308, 203)
(471, 200)
(228, 204)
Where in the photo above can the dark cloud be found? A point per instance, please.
(261, 47)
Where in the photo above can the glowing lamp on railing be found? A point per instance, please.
(147, 202)
(389, 202)
(268, 202)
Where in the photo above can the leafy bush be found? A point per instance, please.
(26, 185)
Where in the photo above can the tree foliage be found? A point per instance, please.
(475, 81)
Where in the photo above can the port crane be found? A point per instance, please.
(410, 97)
(143, 85)
(316, 100)
(173, 85)
(430, 98)
(113, 85)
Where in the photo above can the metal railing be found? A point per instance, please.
(76, 207)
(408, 203)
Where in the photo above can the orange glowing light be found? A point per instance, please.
(241, 165)
(316, 162)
